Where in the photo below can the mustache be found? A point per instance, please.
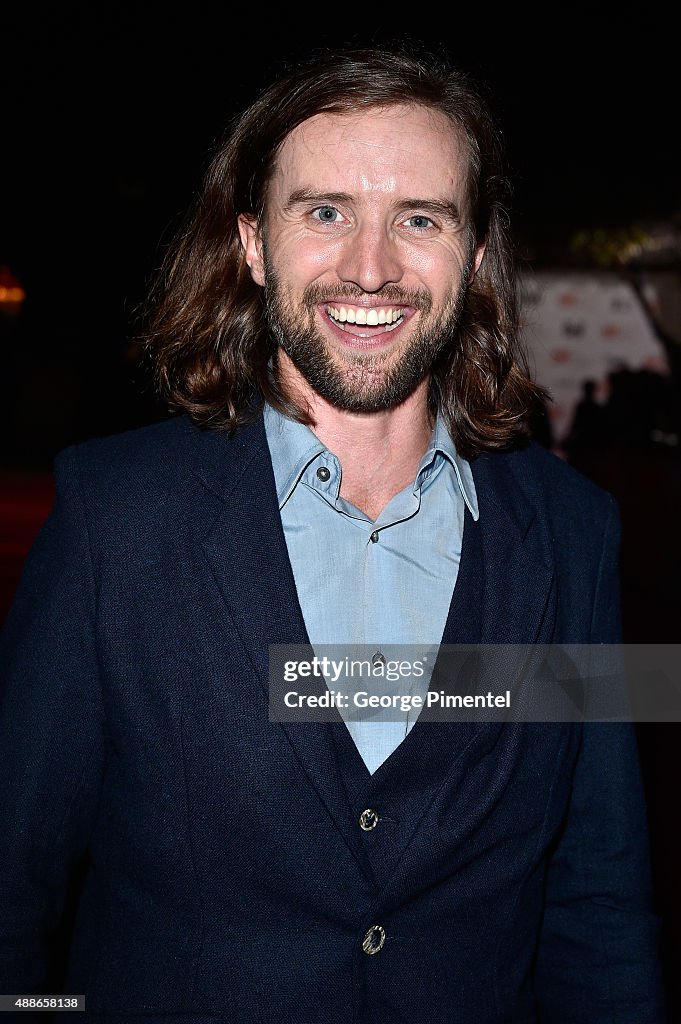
(419, 298)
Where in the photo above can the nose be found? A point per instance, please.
(369, 259)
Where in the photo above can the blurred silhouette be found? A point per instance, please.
(640, 406)
(588, 430)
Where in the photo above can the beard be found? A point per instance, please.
(361, 381)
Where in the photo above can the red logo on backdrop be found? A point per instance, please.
(611, 331)
(561, 355)
(567, 299)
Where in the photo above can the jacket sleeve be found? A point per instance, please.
(598, 956)
(51, 736)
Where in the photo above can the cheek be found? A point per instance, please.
(292, 242)
(305, 258)
(440, 270)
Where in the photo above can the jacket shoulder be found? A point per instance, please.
(130, 471)
(155, 468)
(552, 484)
(149, 445)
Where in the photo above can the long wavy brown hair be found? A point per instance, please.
(205, 328)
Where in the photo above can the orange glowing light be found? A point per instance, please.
(12, 294)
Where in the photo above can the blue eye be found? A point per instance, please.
(420, 222)
(326, 214)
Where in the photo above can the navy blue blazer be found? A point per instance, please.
(225, 874)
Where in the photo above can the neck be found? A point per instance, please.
(379, 452)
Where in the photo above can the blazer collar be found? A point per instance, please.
(506, 564)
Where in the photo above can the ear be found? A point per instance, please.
(477, 260)
(249, 233)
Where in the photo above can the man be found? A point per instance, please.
(337, 324)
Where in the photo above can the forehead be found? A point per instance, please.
(403, 150)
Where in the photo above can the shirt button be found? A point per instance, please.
(323, 473)
(374, 537)
(378, 659)
(374, 940)
(368, 819)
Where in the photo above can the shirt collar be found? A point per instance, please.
(293, 446)
(442, 443)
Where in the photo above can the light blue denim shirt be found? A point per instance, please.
(384, 582)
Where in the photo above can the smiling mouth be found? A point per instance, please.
(382, 318)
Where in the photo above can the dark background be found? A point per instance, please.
(109, 114)
(108, 117)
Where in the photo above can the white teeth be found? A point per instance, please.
(361, 315)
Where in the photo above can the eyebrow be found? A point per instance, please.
(306, 195)
(438, 207)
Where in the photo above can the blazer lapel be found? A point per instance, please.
(504, 594)
(246, 550)
(519, 596)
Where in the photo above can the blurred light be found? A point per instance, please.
(12, 294)
(653, 244)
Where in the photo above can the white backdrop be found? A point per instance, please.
(580, 326)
